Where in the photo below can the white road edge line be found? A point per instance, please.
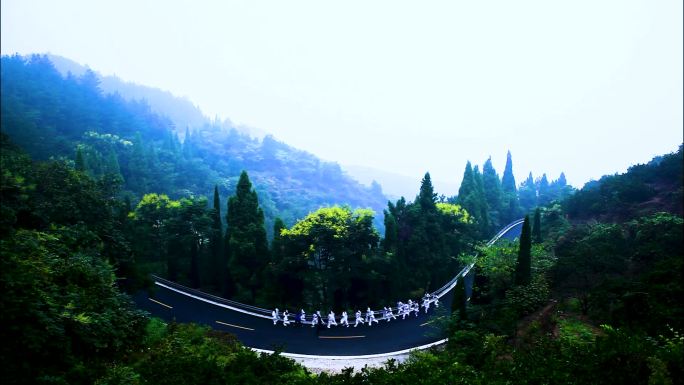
(389, 354)
(465, 271)
(211, 302)
(296, 355)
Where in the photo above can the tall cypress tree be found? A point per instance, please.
(510, 205)
(427, 197)
(246, 236)
(493, 193)
(481, 200)
(543, 189)
(217, 264)
(523, 266)
(471, 197)
(536, 227)
(467, 184)
(389, 243)
(528, 194)
(277, 243)
(194, 264)
(461, 300)
(508, 180)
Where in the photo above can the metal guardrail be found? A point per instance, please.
(266, 313)
(452, 283)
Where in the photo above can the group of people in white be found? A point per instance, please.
(403, 310)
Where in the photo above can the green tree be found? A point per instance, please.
(510, 205)
(472, 198)
(493, 195)
(481, 200)
(528, 194)
(544, 191)
(217, 264)
(460, 300)
(80, 162)
(536, 226)
(246, 240)
(523, 266)
(508, 180)
(427, 196)
(329, 249)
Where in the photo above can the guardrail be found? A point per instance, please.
(439, 293)
(266, 313)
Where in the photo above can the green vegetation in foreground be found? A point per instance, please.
(591, 295)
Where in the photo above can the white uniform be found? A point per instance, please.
(426, 302)
(371, 317)
(436, 300)
(275, 314)
(314, 320)
(359, 319)
(302, 316)
(286, 321)
(331, 319)
(390, 313)
(343, 320)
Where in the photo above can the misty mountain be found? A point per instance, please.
(51, 115)
(397, 185)
(180, 110)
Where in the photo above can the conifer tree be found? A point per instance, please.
(528, 194)
(536, 226)
(427, 197)
(246, 240)
(508, 180)
(113, 164)
(217, 264)
(467, 184)
(187, 144)
(493, 193)
(481, 200)
(471, 197)
(544, 194)
(389, 243)
(277, 243)
(510, 204)
(523, 266)
(461, 300)
(194, 265)
(79, 162)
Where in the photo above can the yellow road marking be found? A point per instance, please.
(341, 337)
(161, 303)
(430, 321)
(235, 326)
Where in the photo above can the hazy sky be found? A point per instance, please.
(587, 87)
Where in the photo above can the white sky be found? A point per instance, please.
(585, 87)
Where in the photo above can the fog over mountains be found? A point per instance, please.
(184, 113)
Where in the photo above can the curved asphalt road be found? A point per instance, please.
(172, 302)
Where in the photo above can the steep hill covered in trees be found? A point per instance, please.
(55, 116)
(643, 189)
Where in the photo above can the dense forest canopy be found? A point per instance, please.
(97, 192)
(51, 116)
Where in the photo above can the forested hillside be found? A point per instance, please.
(594, 303)
(51, 116)
(97, 192)
(645, 188)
